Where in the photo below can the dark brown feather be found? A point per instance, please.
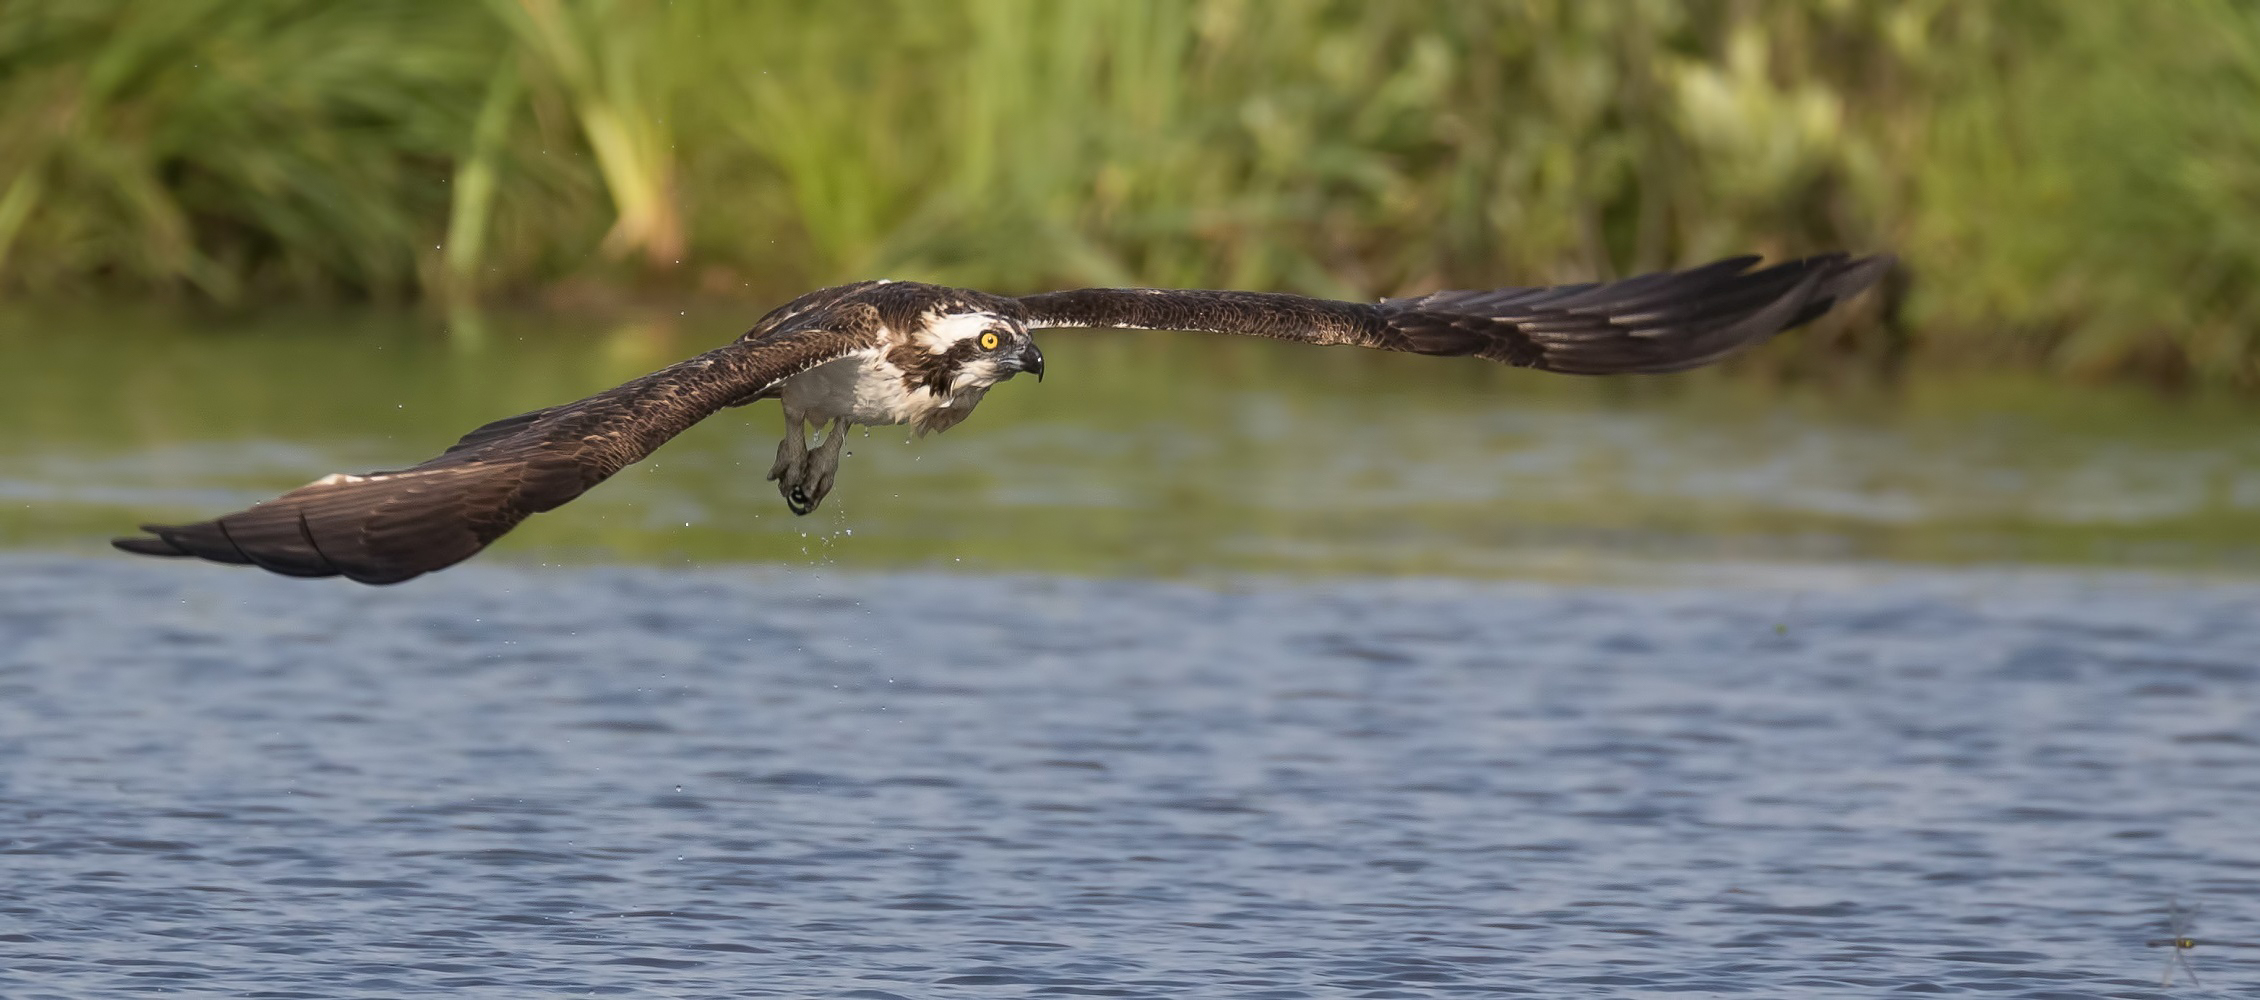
(1664, 322)
(925, 370)
(387, 527)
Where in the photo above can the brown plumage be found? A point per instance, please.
(903, 352)
(1664, 322)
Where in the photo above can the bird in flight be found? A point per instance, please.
(901, 352)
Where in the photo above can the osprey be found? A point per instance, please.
(900, 352)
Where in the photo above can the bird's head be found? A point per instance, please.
(975, 350)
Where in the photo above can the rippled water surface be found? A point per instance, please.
(1206, 668)
(767, 782)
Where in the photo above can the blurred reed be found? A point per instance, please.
(2076, 185)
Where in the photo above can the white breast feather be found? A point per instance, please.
(862, 388)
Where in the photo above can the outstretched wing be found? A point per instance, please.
(1663, 322)
(385, 527)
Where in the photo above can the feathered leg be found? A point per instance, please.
(790, 472)
(824, 464)
(804, 476)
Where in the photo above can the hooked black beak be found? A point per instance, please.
(1032, 361)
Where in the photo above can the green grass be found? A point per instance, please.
(2072, 185)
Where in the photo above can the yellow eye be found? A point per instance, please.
(989, 340)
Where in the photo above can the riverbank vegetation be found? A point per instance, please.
(2070, 185)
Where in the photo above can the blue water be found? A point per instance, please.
(516, 782)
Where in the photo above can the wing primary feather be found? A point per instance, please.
(306, 531)
(1650, 324)
(154, 545)
(1662, 322)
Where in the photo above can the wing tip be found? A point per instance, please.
(153, 544)
(1666, 321)
(1857, 274)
